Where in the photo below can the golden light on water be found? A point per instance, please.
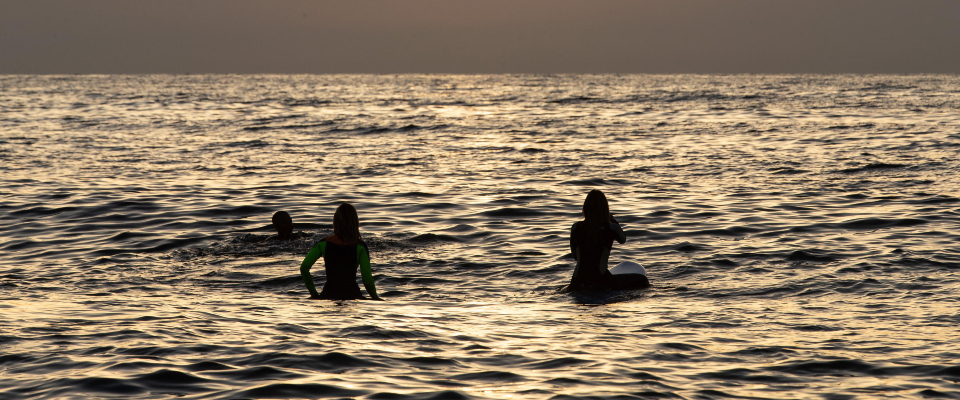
(799, 244)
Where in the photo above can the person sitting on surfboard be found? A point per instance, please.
(342, 253)
(591, 241)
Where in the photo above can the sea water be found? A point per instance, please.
(800, 232)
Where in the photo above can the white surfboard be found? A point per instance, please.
(628, 267)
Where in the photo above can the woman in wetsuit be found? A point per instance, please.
(342, 253)
(591, 241)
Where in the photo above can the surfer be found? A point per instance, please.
(284, 224)
(342, 253)
(591, 241)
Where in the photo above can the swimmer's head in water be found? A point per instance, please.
(283, 223)
(346, 223)
(596, 210)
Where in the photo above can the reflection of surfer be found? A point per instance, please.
(591, 241)
(342, 253)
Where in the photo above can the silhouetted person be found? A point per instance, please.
(342, 253)
(284, 225)
(591, 241)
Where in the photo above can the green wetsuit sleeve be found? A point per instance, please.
(363, 257)
(315, 253)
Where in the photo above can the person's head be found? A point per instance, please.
(283, 223)
(596, 210)
(346, 223)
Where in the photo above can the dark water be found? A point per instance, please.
(801, 234)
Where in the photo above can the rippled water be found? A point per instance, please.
(800, 233)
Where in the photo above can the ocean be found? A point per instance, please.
(800, 233)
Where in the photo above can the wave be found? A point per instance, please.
(136, 257)
(873, 167)
(265, 245)
(302, 390)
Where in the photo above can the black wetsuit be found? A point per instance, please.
(591, 246)
(340, 263)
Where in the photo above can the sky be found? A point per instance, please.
(480, 36)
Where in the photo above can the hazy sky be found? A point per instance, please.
(480, 36)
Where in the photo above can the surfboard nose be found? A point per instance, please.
(628, 267)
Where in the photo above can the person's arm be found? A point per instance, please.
(315, 253)
(575, 252)
(617, 230)
(363, 257)
(573, 244)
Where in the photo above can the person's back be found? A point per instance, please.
(591, 246)
(340, 262)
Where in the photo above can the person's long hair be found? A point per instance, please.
(596, 210)
(346, 223)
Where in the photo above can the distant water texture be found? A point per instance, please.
(802, 234)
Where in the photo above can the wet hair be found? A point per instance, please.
(346, 223)
(596, 210)
(283, 223)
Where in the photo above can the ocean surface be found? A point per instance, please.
(802, 235)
